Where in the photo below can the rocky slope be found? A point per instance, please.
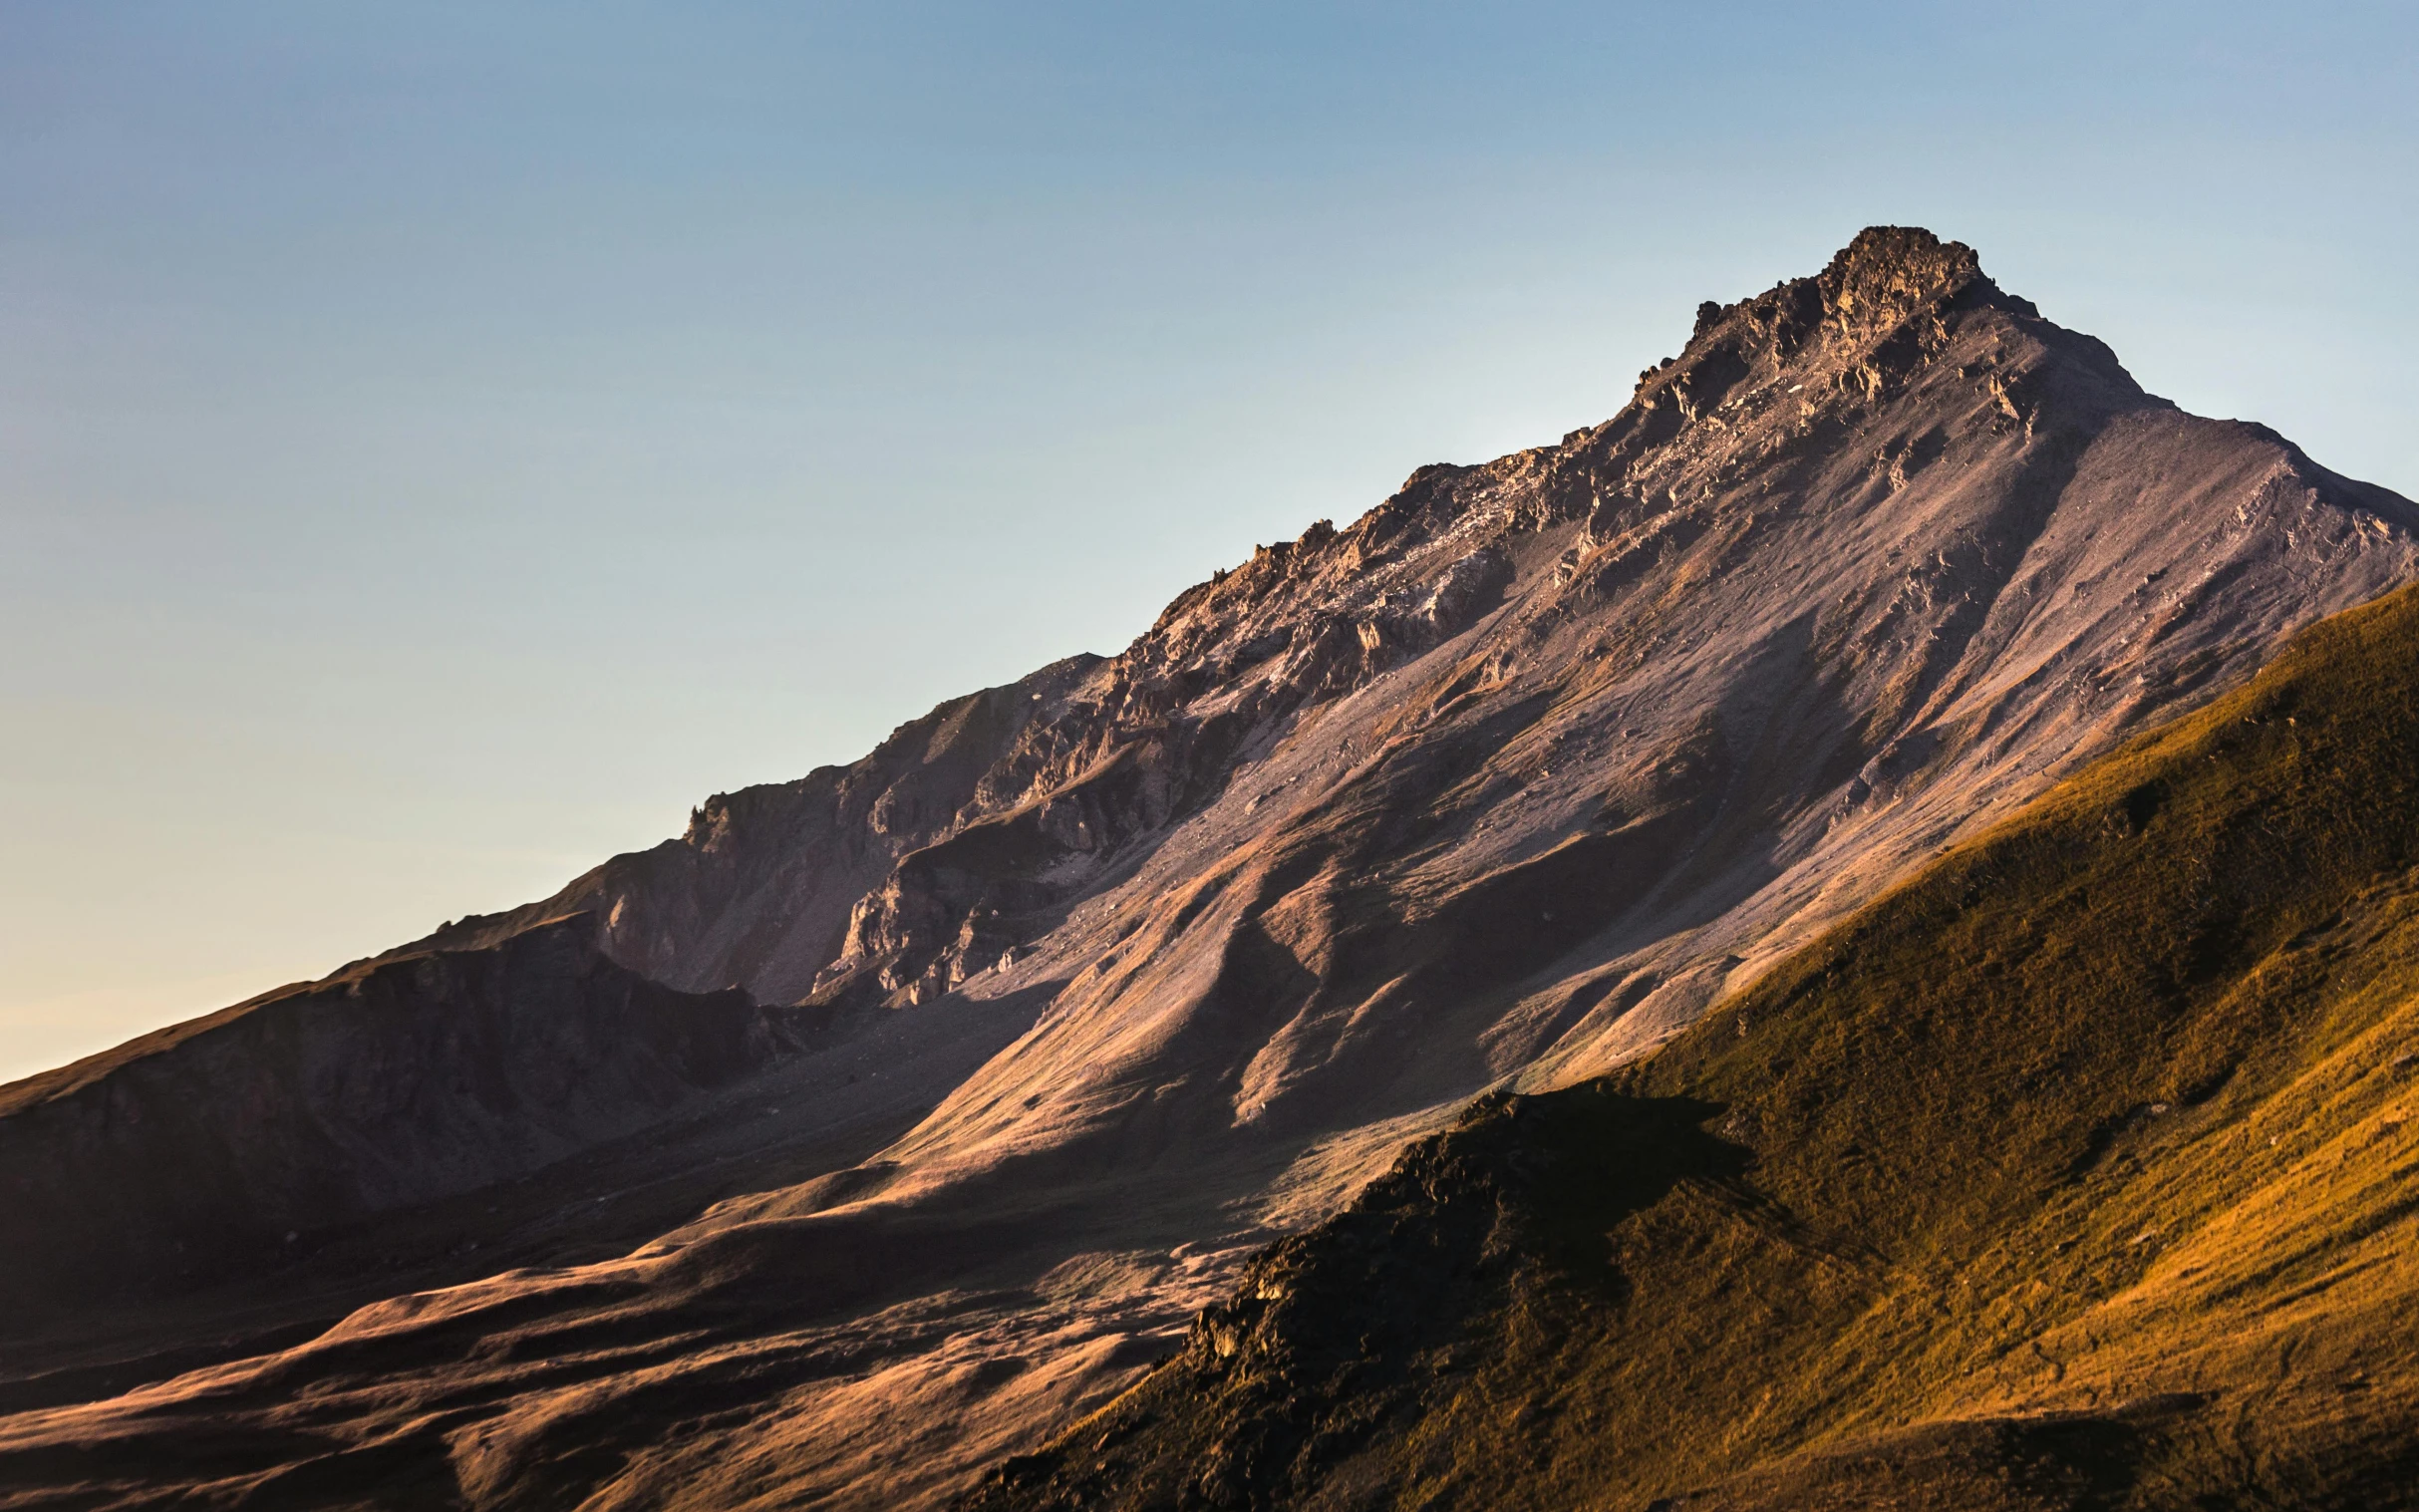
(2077, 1173)
(1121, 971)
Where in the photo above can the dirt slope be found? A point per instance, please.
(1122, 971)
(2077, 1173)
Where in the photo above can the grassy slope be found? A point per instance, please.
(2077, 1173)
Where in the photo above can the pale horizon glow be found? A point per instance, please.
(440, 445)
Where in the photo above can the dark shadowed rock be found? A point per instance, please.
(193, 1152)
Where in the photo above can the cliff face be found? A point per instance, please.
(1154, 957)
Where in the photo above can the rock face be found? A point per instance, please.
(1163, 954)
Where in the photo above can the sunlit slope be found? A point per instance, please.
(2077, 1173)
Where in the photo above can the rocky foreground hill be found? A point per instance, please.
(891, 1120)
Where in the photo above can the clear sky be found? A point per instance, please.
(440, 442)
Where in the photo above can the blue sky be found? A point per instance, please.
(439, 443)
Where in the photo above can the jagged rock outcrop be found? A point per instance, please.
(1503, 782)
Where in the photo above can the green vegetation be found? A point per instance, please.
(2078, 1171)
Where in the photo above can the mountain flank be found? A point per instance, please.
(2079, 1171)
(1078, 992)
(198, 1151)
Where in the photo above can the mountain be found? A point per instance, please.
(2077, 1171)
(1078, 992)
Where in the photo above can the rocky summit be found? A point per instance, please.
(890, 1121)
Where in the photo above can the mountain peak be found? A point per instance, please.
(1889, 272)
(1884, 279)
(1881, 278)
